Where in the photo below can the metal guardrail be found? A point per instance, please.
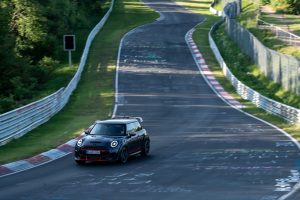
(286, 112)
(280, 33)
(20, 121)
(278, 67)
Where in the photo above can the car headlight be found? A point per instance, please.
(114, 144)
(79, 143)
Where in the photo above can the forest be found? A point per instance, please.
(31, 42)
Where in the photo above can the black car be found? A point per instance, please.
(113, 140)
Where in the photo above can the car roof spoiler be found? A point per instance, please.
(140, 119)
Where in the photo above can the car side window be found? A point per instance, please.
(131, 128)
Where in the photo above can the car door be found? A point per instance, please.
(140, 135)
(132, 141)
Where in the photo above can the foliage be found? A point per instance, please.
(248, 19)
(31, 33)
(201, 38)
(242, 67)
(264, 2)
(94, 97)
(286, 6)
(294, 7)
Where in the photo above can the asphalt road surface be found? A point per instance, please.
(202, 149)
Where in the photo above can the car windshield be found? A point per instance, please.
(109, 129)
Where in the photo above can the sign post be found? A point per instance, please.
(69, 45)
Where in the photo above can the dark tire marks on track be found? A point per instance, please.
(201, 148)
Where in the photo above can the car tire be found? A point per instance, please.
(80, 162)
(146, 148)
(123, 157)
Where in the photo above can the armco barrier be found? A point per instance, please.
(20, 121)
(280, 68)
(286, 112)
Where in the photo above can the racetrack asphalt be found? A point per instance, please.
(202, 148)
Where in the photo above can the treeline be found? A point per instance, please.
(31, 37)
(285, 6)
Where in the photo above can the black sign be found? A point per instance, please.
(69, 43)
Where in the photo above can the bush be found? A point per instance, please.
(31, 33)
(279, 3)
(265, 2)
(6, 104)
(23, 89)
(44, 69)
(49, 64)
(286, 6)
(294, 7)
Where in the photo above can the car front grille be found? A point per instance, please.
(94, 148)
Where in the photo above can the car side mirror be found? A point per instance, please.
(87, 131)
(129, 135)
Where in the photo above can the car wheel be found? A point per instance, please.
(80, 162)
(146, 149)
(123, 155)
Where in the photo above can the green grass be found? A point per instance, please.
(63, 73)
(292, 20)
(94, 97)
(248, 19)
(200, 36)
(243, 67)
(250, 73)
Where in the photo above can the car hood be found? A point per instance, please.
(99, 140)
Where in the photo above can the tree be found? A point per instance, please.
(28, 24)
(31, 35)
(294, 7)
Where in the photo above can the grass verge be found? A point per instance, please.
(62, 73)
(243, 67)
(293, 21)
(200, 36)
(248, 19)
(94, 97)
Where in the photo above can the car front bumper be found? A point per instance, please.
(105, 155)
